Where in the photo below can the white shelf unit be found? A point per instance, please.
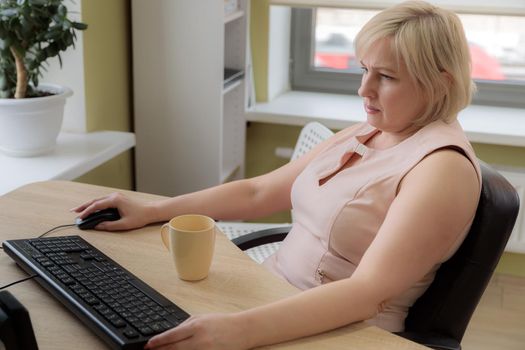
(233, 16)
(190, 128)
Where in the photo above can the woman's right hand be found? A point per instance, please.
(133, 214)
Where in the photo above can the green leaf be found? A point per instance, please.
(39, 2)
(66, 25)
(79, 26)
(4, 44)
(41, 56)
(62, 10)
(9, 12)
(3, 82)
(51, 51)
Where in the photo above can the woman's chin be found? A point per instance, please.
(373, 120)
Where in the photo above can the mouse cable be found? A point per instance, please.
(51, 230)
(19, 281)
(56, 228)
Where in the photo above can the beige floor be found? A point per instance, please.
(499, 320)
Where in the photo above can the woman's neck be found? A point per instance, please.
(384, 139)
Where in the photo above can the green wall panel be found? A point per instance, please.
(107, 71)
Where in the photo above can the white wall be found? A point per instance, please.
(279, 52)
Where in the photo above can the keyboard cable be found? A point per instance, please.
(42, 235)
(19, 281)
(51, 230)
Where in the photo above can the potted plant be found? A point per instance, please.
(31, 32)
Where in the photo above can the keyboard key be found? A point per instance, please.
(92, 301)
(146, 330)
(131, 334)
(68, 281)
(119, 323)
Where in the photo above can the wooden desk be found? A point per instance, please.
(235, 281)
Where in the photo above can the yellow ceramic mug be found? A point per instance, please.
(191, 241)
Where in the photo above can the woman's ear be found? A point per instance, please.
(447, 78)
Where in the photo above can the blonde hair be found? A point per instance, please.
(432, 44)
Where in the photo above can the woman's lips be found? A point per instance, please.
(371, 110)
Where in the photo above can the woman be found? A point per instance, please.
(377, 207)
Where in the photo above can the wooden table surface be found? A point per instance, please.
(235, 282)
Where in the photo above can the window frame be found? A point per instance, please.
(304, 78)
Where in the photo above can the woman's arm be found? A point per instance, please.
(242, 199)
(435, 203)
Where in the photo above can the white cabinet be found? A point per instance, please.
(190, 129)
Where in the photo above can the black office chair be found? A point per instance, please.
(439, 318)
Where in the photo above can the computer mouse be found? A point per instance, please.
(93, 219)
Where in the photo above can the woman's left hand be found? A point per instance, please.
(215, 331)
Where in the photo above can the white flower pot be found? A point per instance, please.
(30, 126)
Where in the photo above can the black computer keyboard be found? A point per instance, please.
(120, 308)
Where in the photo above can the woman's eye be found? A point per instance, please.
(364, 69)
(386, 77)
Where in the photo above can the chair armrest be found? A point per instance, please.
(261, 237)
(432, 340)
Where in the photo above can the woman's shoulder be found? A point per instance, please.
(449, 169)
(440, 132)
(448, 136)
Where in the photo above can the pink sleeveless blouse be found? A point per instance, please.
(336, 222)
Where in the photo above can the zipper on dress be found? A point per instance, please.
(320, 275)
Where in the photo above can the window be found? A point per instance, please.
(324, 59)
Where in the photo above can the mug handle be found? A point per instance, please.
(164, 230)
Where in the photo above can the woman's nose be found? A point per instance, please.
(366, 89)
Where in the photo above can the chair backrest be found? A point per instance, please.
(447, 305)
(311, 134)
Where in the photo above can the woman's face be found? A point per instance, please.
(392, 100)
